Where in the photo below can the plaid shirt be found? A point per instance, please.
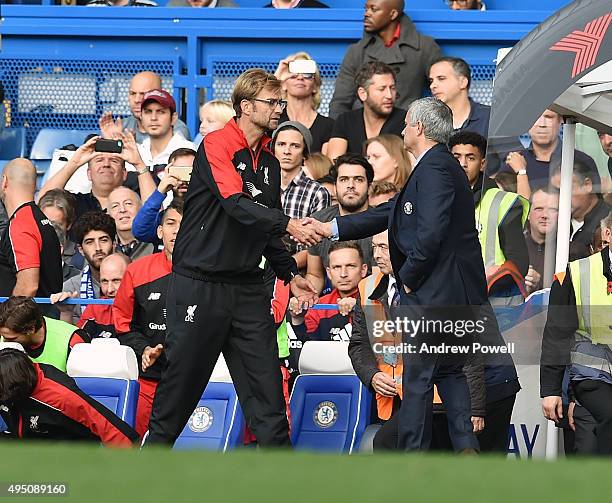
(303, 197)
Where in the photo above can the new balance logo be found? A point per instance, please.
(154, 296)
(190, 313)
(585, 44)
(241, 166)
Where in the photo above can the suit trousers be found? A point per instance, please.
(203, 320)
(416, 412)
(596, 398)
(495, 436)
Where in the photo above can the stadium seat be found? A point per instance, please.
(48, 140)
(330, 407)
(108, 372)
(217, 422)
(12, 143)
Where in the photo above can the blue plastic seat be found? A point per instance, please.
(12, 143)
(216, 423)
(329, 412)
(118, 395)
(330, 407)
(48, 140)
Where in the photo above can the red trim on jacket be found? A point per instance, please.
(221, 153)
(138, 273)
(75, 407)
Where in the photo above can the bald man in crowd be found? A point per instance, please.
(23, 271)
(97, 320)
(140, 84)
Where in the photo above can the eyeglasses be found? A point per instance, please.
(307, 76)
(272, 103)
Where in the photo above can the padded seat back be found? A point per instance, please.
(118, 395)
(330, 407)
(103, 358)
(48, 140)
(108, 372)
(217, 423)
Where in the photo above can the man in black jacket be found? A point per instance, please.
(390, 37)
(217, 300)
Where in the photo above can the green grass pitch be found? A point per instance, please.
(105, 475)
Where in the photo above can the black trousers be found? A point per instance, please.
(495, 436)
(203, 320)
(596, 397)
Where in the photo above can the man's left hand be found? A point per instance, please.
(304, 291)
(478, 423)
(130, 152)
(346, 305)
(406, 289)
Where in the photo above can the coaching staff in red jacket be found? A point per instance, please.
(217, 301)
(40, 402)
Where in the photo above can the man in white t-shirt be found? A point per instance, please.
(158, 117)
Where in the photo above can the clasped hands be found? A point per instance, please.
(308, 231)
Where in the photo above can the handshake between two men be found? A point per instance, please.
(308, 231)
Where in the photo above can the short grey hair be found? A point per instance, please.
(606, 222)
(435, 116)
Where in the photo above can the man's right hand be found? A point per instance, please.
(111, 130)
(169, 181)
(303, 231)
(552, 408)
(384, 385)
(150, 356)
(532, 279)
(84, 153)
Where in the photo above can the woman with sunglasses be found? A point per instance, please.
(303, 94)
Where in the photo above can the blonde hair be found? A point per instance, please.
(316, 97)
(222, 111)
(394, 146)
(318, 165)
(250, 83)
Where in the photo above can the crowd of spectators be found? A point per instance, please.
(114, 237)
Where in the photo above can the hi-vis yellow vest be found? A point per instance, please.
(593, 303)
(490, 213)
(384, 404)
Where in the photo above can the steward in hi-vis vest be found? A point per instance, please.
(578, 333)
(500, 220)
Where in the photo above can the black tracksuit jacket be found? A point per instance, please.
(233, 213)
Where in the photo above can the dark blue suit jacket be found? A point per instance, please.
(433, 241)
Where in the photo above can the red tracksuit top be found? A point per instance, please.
(139, 309)
(59, 410)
